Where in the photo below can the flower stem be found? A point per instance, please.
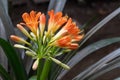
(45, 70)
(39, 70)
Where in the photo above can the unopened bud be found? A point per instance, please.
(35, 64)
(60, 63)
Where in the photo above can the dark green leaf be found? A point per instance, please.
(56, 5)
(98, 65)
(33, 78)
(5, 18)
(108, 67)
(87, 51)
(117, 78)
(4, 73)
(89, 22)
(100, 25)
(87, 36)
(14, 60)
(5, 5)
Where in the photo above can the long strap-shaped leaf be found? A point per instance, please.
(3, 58)
(118, 78)
(5, 5)
(109, 66)
(100, 25)
(57, 5)
(4, 74)
(91, 32)
(54, 65)
(14, 60)
(87, 51)
(6, 20)
(95, 29)
(98, 65)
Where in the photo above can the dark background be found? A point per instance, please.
(81, 13)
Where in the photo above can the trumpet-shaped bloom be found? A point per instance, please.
(31, 20)
(66, 42)
(47, 39)
(55, 21)
(67, 36)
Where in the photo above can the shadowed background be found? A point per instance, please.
(81, 12)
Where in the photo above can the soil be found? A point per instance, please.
(81, 13)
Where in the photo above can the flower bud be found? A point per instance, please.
(23, 30)
(42, 24)
(30, 53)
(35, 64)
(60, 63)
(19, 40)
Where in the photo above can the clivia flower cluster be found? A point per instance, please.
(47, 40)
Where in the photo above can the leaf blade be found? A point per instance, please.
(98, 65)
(4, 73)
(87, 51)
(108, 67)
(14, 60)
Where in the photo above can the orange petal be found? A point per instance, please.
(37, 16)
(73, 29)
(59, 23)
(78, 37)
(57, 16)
(42, 19)
(69, 22)
(64, 41)
(32, 15)
(62, 21)
(26, 17)
(51, 14)
(73, 46)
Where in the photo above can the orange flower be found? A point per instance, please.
(55, 21)
(31, 20)
(71, 28)
(44, 41)
(67, 36)
(66, 42)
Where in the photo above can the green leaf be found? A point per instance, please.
(98, 65)
(4, 73)
(14, 60)
(6, 19)
(115, 63)
(117, 78)
(33, 78)
(87, 51)
(89, 22)
(100, 25)
(87, 36)
(56, 5)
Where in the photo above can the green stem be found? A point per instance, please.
(45, 70)
(39, 70)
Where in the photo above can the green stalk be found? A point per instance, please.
(39, 69)
(46, 69)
